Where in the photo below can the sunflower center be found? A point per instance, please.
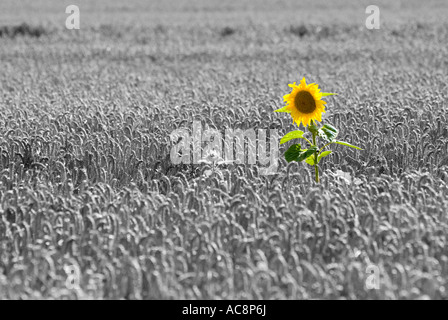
(304, 102)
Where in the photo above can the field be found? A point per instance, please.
(93, 208)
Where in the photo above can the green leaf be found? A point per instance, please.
(283, 110)
(324, 94)
(323, 155)
(310, 160)
(329, 127)
(292, 135)
(293, 152)
(306, 153)
(346, 144)
(328, 132)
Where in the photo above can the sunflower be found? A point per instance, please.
(304, 103)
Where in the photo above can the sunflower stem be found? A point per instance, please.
(316, 154)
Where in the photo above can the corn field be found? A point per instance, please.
(88, 192)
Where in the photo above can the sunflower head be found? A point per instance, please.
(304, 103)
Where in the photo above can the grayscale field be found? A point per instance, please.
(93, 208)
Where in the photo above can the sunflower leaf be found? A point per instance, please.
(292, 135)
(306, 153)
(346, 144)
(322, 155)
(293, 152)
(284, 109)
(310, 160)
(328, 132)
(324, 94)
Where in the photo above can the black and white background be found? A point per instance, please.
(98, 97)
